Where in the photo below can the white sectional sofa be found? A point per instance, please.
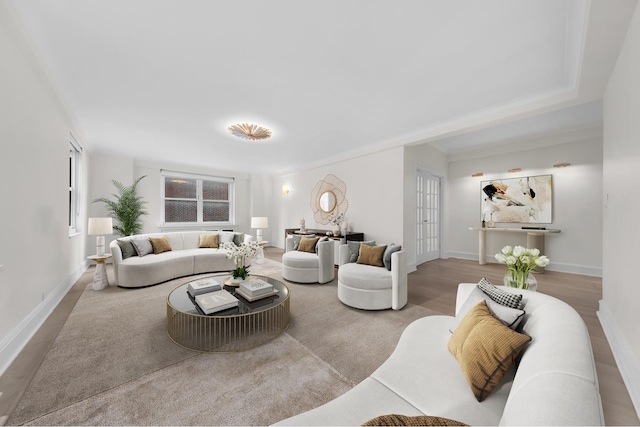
(555, 382)
(184, 259)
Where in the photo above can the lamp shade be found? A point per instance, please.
(100, 226)
(259, 222)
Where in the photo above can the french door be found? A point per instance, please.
(428, 216)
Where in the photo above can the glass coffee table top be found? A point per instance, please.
(180, 299)
(240, 328)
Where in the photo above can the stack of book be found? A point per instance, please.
(256, 289)
(213, 302)
(203, 286)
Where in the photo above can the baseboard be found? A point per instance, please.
(18, 338)
(585, 270)
(625, 360)
(411, 267)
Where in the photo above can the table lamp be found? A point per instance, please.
(490, 209)
(99, 227)
(259, 222)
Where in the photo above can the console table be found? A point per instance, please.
(535, 239)
(357, 237)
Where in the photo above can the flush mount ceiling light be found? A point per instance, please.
(249, 131)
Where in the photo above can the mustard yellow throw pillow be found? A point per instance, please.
(417, 420)
(485, 349)
(160, 244)
(308, 244)
(209, 240)
(371, 255)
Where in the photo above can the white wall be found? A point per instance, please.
(621, 290)
(40, 262)
(430, 159)
(374, 183)
(106, 167)
(577, 204)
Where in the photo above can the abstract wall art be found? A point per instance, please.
(527, 199)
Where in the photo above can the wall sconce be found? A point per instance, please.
(285, 190)
(514, 170)
(561, 165)
(477, 174)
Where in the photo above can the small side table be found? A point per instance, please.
(100, 279)
(260, 252)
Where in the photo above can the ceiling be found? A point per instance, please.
(162, 80)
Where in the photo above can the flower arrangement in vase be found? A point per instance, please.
(240, 254)
(336, 221)
(520, 262)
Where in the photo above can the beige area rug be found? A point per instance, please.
(113, 363)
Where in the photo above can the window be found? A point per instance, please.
(75, 152)
(197, 199)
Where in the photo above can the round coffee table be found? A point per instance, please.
(241, 328)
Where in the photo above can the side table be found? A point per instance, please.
(260, 252)
(100, 279)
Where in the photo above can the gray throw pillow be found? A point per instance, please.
(142, 246)
(322, 239)
(510, 317)
(386, 257)
(238, 238)
(296, 242)
(354, 248)
(127, 249)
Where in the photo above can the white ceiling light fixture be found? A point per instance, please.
(249, 131)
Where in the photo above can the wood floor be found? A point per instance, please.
(433, 285)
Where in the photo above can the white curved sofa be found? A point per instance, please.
(185, 258)
(555, 382)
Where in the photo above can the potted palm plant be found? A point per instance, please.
(127, 208)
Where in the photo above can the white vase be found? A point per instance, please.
(530, 283)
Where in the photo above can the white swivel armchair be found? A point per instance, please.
(308, 267)
(372, 288)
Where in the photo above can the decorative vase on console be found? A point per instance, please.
(303, 226)
(521, 262)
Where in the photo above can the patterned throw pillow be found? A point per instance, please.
(416, 420)
(485, 349)
(498, 295)
(510, 317)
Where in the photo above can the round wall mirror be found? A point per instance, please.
(327, 201)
